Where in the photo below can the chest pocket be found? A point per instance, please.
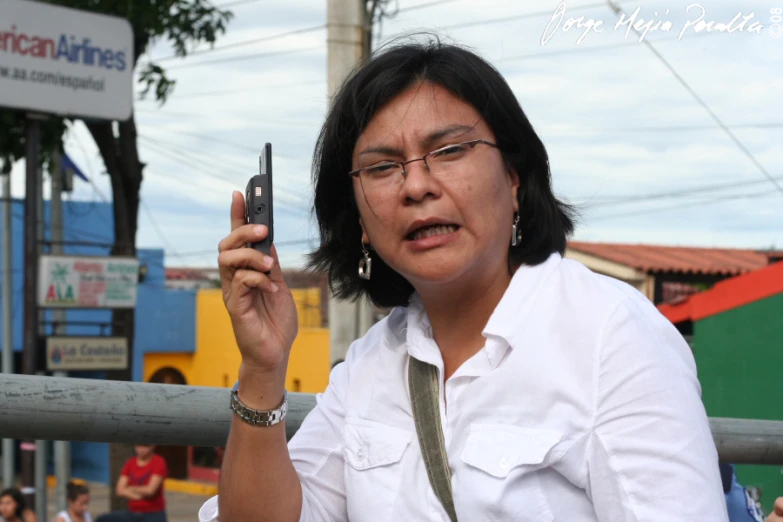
(501, 472)
(373, 471)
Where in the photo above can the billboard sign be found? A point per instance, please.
(87, 282)
(65, 61)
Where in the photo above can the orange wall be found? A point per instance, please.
(216, 359)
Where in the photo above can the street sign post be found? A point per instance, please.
(68, 62)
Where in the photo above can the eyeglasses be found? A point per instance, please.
(383, 180)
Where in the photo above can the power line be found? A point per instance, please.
(626, 199)
(214, 139)
(256, 56)
(304, 30)
(183, 159)
(261, 122)
(297, 203)
(257, 88)
(533, 56)
(236, 145)
(701, 102)
(158, 231)
(237, 3)
(490, 21)
(523, 16)
(677, 128)
(172, 147)
(245, 43)
(425, 5)
(732, 197)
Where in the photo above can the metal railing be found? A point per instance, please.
(58, 408)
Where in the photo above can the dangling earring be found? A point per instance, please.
(365, 264)
(516, 231)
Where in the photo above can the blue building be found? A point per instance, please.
(165, 319)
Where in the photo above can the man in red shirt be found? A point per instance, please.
(141, 482)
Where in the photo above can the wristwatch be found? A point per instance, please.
(258, 417)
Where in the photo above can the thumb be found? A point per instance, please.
(779, 506)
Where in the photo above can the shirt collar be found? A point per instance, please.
(502, 331)
(517, 302)
(418, 335)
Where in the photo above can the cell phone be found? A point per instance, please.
(258, 200)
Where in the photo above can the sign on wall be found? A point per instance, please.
(86, 353)
(87, 282)
(65, 61)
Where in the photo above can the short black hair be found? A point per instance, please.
(74, 490)
(15, 494)
(546, 222)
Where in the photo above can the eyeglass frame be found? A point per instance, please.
(356, 173)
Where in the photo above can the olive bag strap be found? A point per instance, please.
(423, 386)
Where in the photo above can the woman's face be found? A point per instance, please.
(472, 200)
(79, 506)
(7, 507)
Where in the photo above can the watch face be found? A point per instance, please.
(236, 386)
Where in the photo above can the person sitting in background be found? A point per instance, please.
(78, 499)
(141, 482)
(741, 505)
(13, 507)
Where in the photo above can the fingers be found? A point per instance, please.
(237, 210)
(276, 273)
(242, 258)
(246, 280)
(243, 235)
(779, 506)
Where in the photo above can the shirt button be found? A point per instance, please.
(360, 454)
(504, 462)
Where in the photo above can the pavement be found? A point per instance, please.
(181, 507)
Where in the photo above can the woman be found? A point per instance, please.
(13, 507)
(563, 395)
(78, 497)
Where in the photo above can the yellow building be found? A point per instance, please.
(216, 361)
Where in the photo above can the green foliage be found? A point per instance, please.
(185, 24)
(12, 142)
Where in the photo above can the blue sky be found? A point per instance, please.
(625, 137)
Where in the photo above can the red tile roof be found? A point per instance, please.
(186, 274)
(727, 295)
(683, 260)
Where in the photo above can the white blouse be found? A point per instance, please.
(583, 405)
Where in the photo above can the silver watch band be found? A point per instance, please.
(259, 417)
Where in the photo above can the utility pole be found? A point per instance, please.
(30, 347)
(347, 38)
(41, 448)
(8, 316)
(62, 449)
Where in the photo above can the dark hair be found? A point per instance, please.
(74, 490)
(15, 494)
(545, 221)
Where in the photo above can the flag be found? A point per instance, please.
(66, 163)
